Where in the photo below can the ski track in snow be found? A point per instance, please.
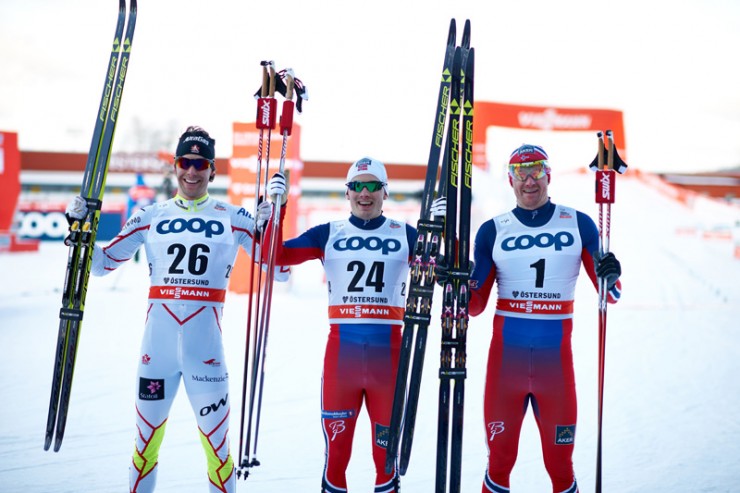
(670, 406)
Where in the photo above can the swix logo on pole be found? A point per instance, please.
(542, 240)
(195, 225)
(372, 243)
(266, 113)
(605, 186)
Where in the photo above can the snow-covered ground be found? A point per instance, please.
(672, 411)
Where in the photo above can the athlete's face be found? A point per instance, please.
(531, 193)
(365, 204)
(192, 183)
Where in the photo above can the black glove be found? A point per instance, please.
(608, 268)
(442, 270)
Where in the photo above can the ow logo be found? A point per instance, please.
(213, 407)
(336, 427)
(372, 243)
(542, 240)
(494, 428)
(196, 225)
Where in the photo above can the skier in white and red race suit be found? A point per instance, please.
(191, 241)
(534, 254)
(366, 260)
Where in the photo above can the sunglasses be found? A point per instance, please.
(199, 163)
(372, 186)
(536, 169)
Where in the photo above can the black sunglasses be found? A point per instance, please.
(199, 163)
(372, 186)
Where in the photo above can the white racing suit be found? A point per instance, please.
(191, 247)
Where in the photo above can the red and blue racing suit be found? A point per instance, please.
(535, 257)
(366, 265)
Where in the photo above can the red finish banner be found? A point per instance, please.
(10, 183)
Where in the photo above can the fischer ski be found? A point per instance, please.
(455, 295)
(417, 314)
(81, 239)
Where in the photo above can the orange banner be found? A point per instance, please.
(542, 118)
(243, 167)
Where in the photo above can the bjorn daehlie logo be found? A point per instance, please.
(494, 428)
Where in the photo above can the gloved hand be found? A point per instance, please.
(264, 212)
(277, 186)
(439, 207)
(608, 268)
(442, 270)
(76, 209)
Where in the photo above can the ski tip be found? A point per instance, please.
(47, 443)
(452, 35)
(466, 34)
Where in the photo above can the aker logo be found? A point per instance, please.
(372, 243)
(195, 225)
(565, 434)
(381, 435)
(151, 389)
(542, 240)
(212, 362)
(146, 359)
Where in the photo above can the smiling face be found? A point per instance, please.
(193, 184)
(365, 204)
(531, 193)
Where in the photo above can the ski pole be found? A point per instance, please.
(286, 126)
(266, 105)
(606, 164)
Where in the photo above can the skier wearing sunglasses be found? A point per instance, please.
(534, 253)
(191, 241)
(366, 259)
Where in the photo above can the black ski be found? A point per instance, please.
(456, 289)
(81, 239)
(421, 287)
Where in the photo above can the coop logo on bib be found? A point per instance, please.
(542, 240)
(195, 225)
(372, 243)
